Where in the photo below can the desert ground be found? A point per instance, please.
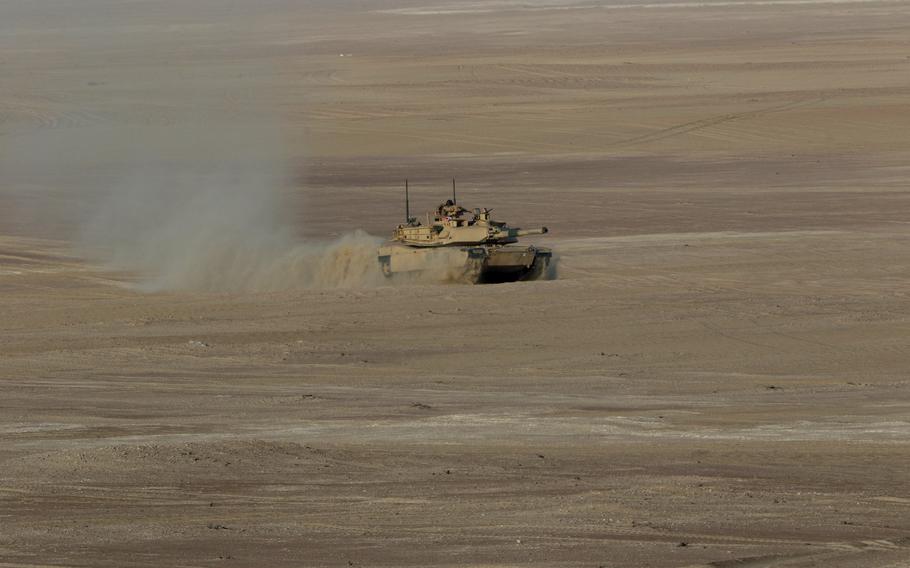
(718, 377)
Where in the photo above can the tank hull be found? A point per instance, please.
(478, 264)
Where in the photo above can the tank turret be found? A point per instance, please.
(453, 225)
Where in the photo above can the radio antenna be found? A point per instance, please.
(454, 200)
(407, 203)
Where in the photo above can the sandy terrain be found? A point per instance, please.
(718, 377)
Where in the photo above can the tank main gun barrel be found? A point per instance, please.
(510, 235)
(526, 232)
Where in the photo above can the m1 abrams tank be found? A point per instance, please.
(456, 244)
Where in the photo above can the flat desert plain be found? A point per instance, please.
(718, 377)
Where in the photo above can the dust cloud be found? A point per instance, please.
(207, 205)
(166, 158)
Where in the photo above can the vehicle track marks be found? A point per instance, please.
(696, 125)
